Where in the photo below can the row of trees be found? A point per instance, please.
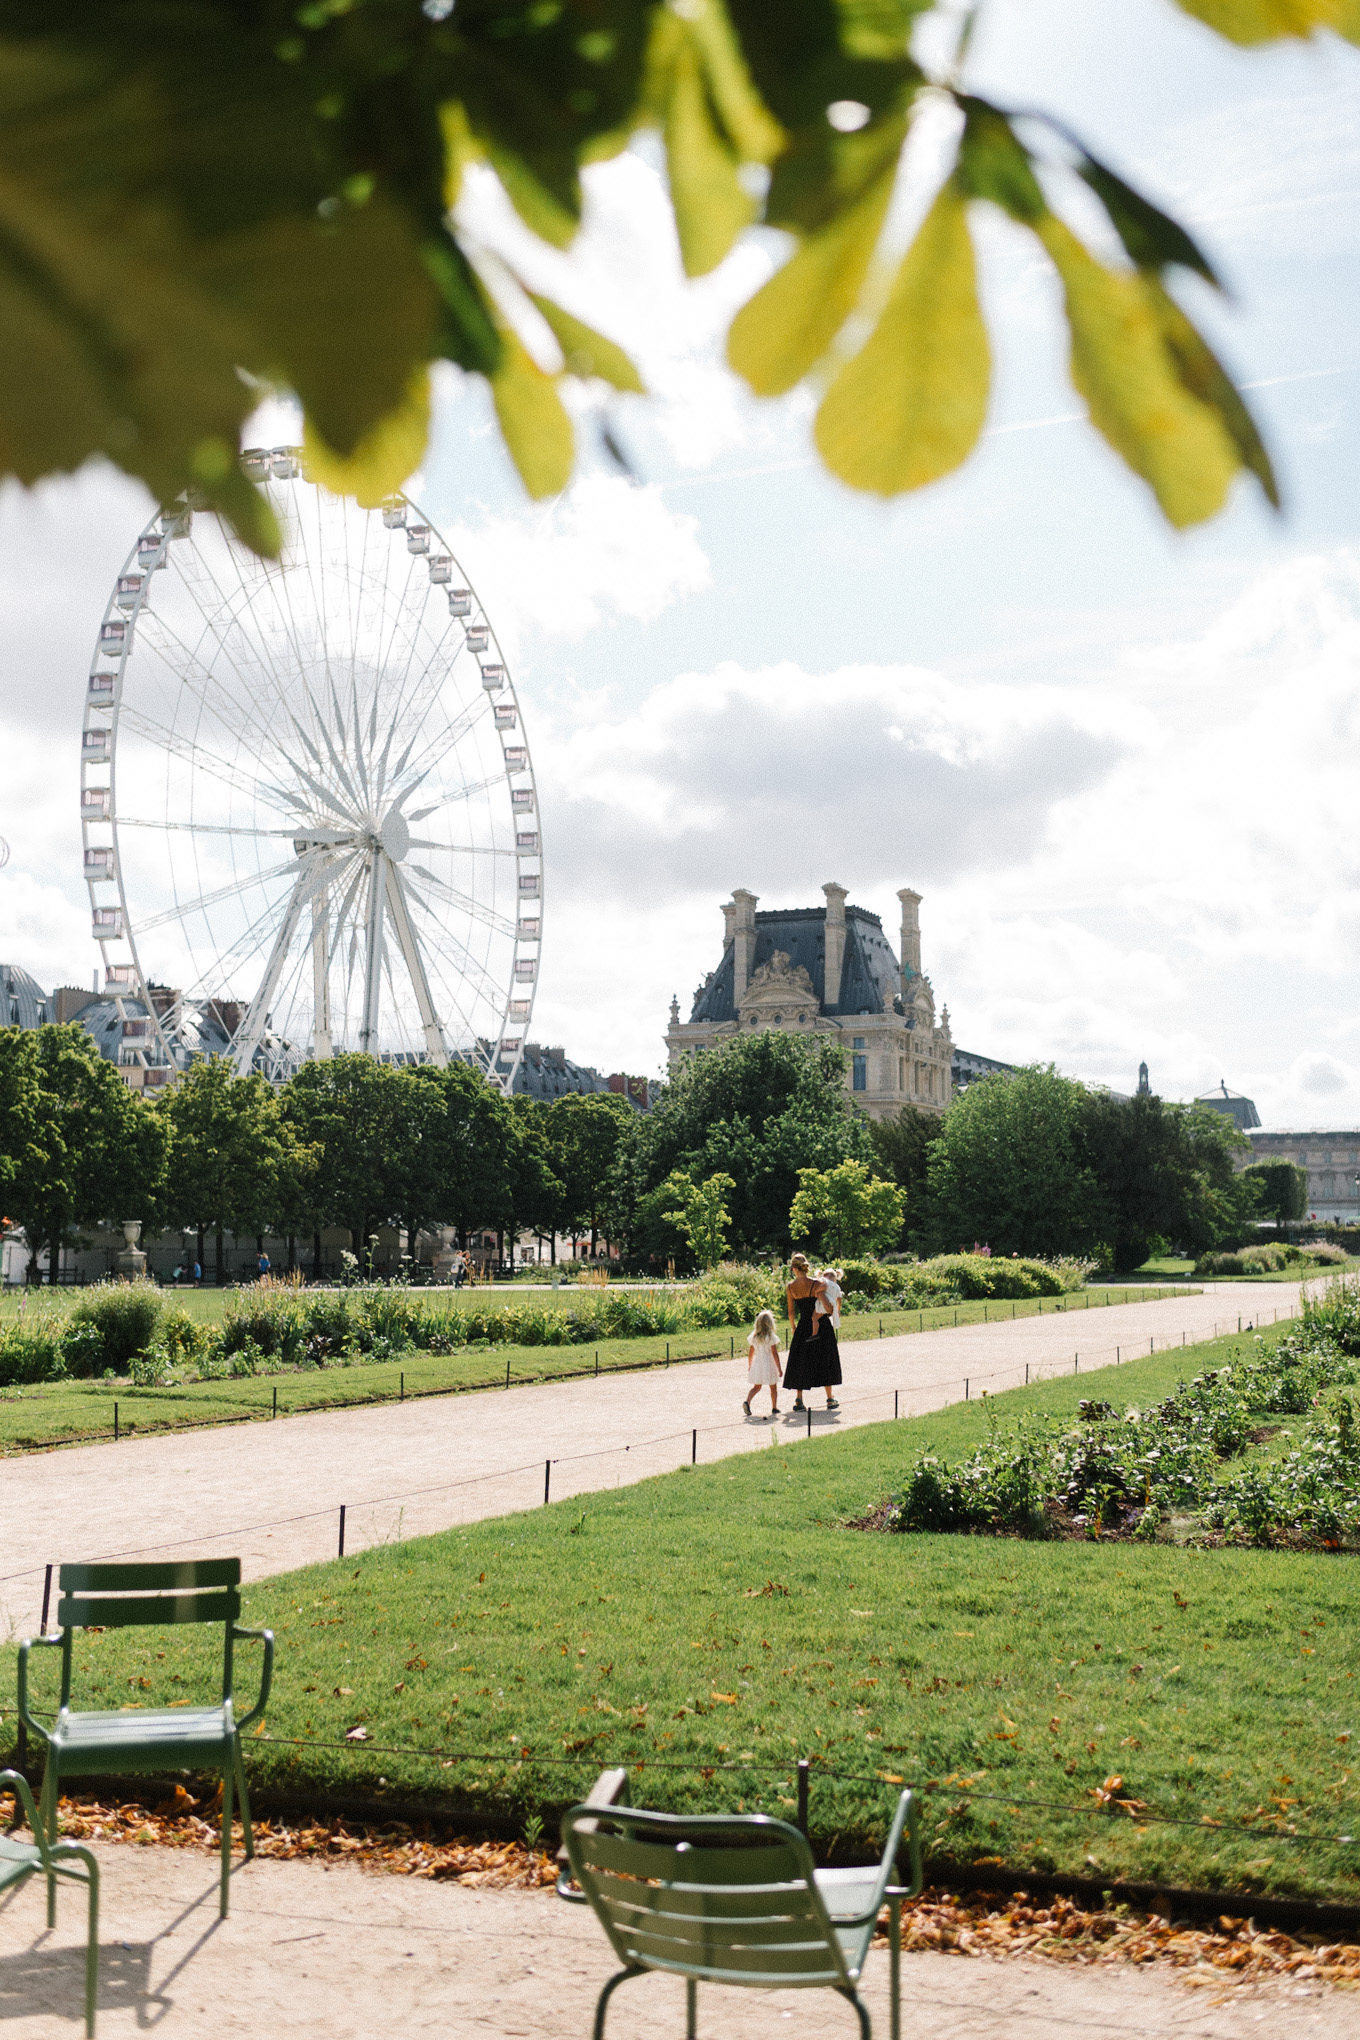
(1036, 1163)
(349, 1142)
(752, 1147)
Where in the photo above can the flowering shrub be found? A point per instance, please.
(1129, 1472)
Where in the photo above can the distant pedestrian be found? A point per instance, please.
(198, 1273)
(262, 1265)
(763, 1366)
(814, 1361)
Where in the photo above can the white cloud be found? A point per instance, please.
(605, 549)
(1161, 865)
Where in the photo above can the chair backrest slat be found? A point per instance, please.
(707, 1895)
(149, 1611)
(120, 1578)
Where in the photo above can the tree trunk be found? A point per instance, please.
(412, 1236)
(292, 1253)
(202, 1249)
(317, 1269)
(220, 1255)
(552, 1250)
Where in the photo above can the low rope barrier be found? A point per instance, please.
(1033, 1375)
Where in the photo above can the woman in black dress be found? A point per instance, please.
(814, 1358)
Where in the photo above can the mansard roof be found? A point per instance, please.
(23, 1002)
(869, 972)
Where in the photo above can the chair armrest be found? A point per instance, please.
(906, 1816)
(266, 1637)
(86, 1856)
(609, 1789)
(29, 1643)
(19, 1786)
(566, 1889)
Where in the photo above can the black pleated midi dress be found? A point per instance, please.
(814, 1359)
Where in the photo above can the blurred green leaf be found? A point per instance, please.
(750, 127)
(1136, 397)
(1206, 378)
(537, 429)
(995, 164)
(1259, 21)
(587, 352)
(1151, 240)
(910, 405)
(711, 204)
(786, 328)
(387, 455)
(822, 172)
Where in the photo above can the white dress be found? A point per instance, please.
(762, 1371)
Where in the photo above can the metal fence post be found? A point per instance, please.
(115, 1423)
(694, 1447)
(803, 1794)
(341, 1552)
(275, 1410)
(547, 1480)
(895, 1396)
(965, 1388)
(809, 1418)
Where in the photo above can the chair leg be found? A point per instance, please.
(92, 1951)
(895, 1967)
(227, 1782)
(691, 2008)
(607, 1993)
(244, 1797)
(47, 1820)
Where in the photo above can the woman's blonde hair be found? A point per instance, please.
(764, 1327)
(799, 1262)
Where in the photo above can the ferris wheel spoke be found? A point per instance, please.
(181, 911)
(199, 677)
(453, 898)
(200, 828)
(491, 986)
(194, 753)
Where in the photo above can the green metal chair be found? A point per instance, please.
(150, 1738)
(40, 1858)
(733, 1898)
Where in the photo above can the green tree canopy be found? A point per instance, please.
(233, 1156)
(902, 1149)
(1010, 1169)
(586, 1134)
(1282, 1188)
(1165, 1171)
(346, 1109)
(91, 1151)
(759, 1108)
(845, 1211)
(252, 185)
(701, 1214)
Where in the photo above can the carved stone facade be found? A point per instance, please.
(830, 970)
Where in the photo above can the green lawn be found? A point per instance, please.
(712, 1625)
(63, 1413)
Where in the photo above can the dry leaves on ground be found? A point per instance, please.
(1231, 1950)
(182, 1822)
(981, 1924)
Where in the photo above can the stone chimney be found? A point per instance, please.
(729, 922)
(743, 912)
(835, 945)
(911, 932)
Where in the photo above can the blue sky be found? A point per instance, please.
(1118, 762)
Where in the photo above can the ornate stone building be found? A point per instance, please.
(831, 970)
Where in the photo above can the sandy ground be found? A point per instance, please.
(272, 1491)
(329, 1950)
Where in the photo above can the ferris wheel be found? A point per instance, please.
(308, 809)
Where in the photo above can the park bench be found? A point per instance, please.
(731, 1898)
(105, 1743)
(50, 1860)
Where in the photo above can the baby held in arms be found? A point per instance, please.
(828, 1304)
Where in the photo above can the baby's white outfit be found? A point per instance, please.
(762, 1372)
(831, 1297)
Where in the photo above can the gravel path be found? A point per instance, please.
(327, 1950)
(273, 1492)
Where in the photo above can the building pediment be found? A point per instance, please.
(778, 983)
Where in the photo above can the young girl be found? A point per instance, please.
(763, 1366)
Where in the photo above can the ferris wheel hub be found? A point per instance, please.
(395, 835)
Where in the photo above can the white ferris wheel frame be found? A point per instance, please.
(147, 1041)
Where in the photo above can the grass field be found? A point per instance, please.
(62, 1413)
(711, 1626)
